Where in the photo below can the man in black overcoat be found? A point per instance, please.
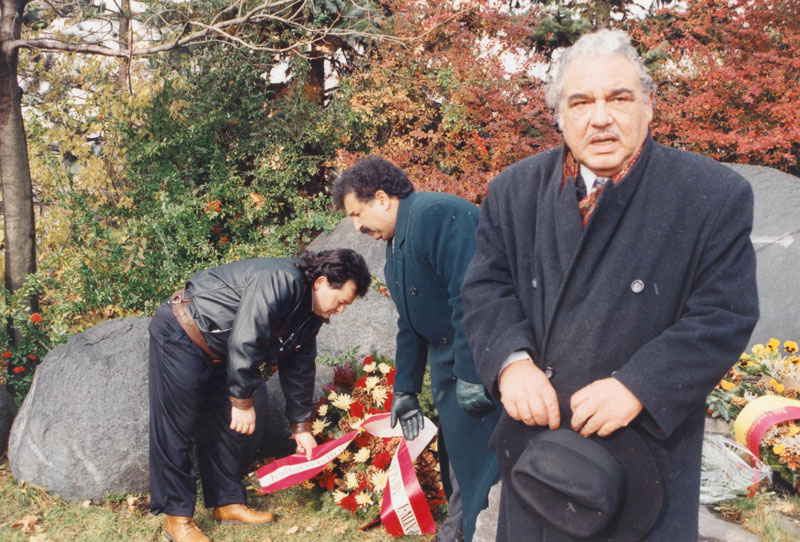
(614, 277)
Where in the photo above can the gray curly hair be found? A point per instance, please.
(604, 42)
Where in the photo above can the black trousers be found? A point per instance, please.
(189, 401)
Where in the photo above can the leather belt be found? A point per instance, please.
(179, 302)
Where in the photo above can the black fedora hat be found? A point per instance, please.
(595, 488)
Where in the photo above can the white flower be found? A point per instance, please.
(338, 496)
(363, 499)
(332, 396)
(361, 455)
(378, 480)
(384, 368)
(351, 480)
(369, 367)
(379, 395)
(319, 425)
(342, 401)
(372, 381)
(323, 409)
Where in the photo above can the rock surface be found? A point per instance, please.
(370, 323)
(7, 411)
(776, 238)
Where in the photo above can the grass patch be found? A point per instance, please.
(30, 514)
(772, 513)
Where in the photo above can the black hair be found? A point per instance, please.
(338, 266)
(369, 175)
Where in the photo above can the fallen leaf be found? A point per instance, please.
(27, 524)
(309, 529)
(293, 529)
(339, 530)
(86, 504)
(785, 507)
(39, 538)
(267, 539)
(132, 503)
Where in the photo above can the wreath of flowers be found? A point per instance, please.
(766, 370)
(356, 478)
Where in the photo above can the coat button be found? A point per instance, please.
(298, 347)
(534, 283)
(637, 286)
(445, 341)
(549, 372)
(413, 291)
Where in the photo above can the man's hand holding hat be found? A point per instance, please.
(602, 407)
(528, 396)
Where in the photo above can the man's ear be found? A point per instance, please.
(382, 198)
(319, 281)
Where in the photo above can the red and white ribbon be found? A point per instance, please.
(404, 509)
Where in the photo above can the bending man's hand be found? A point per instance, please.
(602, 407)
(305, 442)
(405, 407)
(472, 398)
(243, 420)
(528, 396)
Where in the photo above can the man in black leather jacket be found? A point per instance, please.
(206, 343)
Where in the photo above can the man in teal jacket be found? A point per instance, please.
(430, 241)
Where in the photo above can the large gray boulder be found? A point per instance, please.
(82, 431)
(7, 411)
(776, 238)
(370, 323)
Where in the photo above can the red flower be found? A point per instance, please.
(36, 318)
(356, 409)
(326, 479)
(382, 460)
(390, 377)
(349, 503)
(387, 403)
(7, 354)
(31, 356)
(223, 240)
(367, 361)
(344, 376)
(18, 370)
(361, 382)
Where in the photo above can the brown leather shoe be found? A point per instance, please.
(183, 529)
(241, 513)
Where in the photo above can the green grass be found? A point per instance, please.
(127, 518)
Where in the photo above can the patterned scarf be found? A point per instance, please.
(587, 203)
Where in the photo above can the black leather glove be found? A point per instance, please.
(405, 406)
(472, 398)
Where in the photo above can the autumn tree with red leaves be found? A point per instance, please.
(728, 75)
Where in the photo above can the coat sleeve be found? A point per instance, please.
(411, 358)
(267, 294)
(447, 238)
(673, 373)
(297, 374)
(494, 321)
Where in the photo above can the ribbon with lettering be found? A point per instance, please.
(403, 510)
(759, 415)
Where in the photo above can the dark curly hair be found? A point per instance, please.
(338, 266)
(369, 175)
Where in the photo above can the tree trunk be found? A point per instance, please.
(15, 175)
(124, 40)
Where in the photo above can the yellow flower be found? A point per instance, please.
(361, 455)
(778, 449)
(772, 345)
(323, 409)
(338, 496)
(319, 425)
(790, 347)
(363, 499)
(351, 480)
(794, 360)
(342, 401)
(758, 349)
(379, 395)
(369, 367)
(777, 386)
(793, 430)
(378, 480)
(384, 368)
(744, 357)
(344, 457)
(371, 382)
(726, 385)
